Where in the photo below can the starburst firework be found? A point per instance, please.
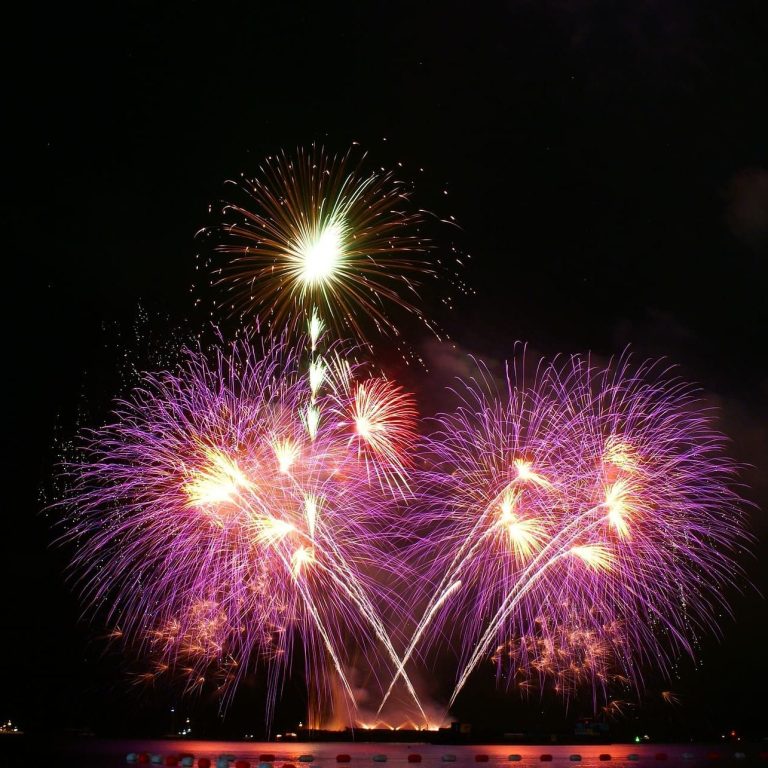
(217, 530)
(596, 496)
(317, 233)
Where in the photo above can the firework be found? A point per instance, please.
(562, 658)
(317, 234)
(570, 526)
(217, 527)
(590, 496)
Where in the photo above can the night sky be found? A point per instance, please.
(607, 163)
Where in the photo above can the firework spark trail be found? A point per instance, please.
(382, 634)
(400, 670)
(467, 549)
(630, 445)
(526, 581)
(323, 632)
(469, 546)
(207, 487)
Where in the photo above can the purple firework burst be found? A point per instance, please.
(578, 523)
(236, 505)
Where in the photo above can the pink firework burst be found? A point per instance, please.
(593, 496)
(226, 513)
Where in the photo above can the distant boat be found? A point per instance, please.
(9, 729)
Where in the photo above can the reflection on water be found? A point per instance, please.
(97, 753)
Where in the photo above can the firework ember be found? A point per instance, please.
(567, 658)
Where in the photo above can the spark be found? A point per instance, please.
(620, 454)
(316, 375)
(312, 504)
(525, 535)
(301, 558)
(315, 328)
(286, 452)
(525, 473)
(384, 417)
(617, 499)
(312, 421)
(270, 530)
(218, 482)
(596, 556)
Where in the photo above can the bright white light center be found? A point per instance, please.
(364, 427)
(321, 257)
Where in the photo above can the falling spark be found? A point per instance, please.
(312, 421)
(315, 328)
(316, 375)
(311, 508)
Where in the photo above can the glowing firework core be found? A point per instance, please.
(526, 474)
(595, 556)
(319, 258)
(218, 482)
(286, 452)
(301, 558)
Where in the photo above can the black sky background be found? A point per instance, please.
(608, 164)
